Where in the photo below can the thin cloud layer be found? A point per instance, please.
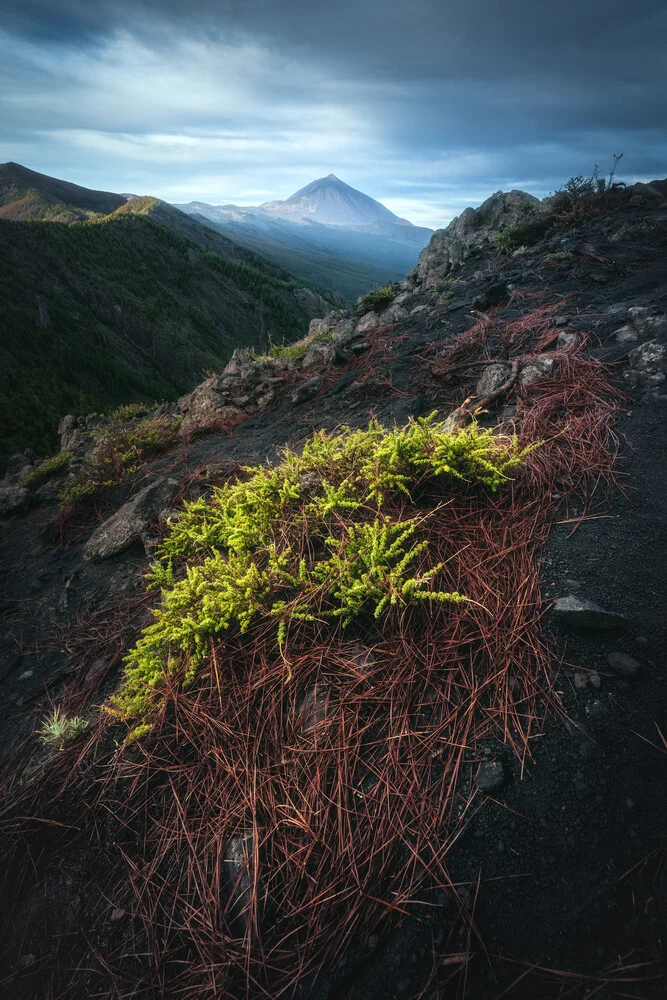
(426, 106)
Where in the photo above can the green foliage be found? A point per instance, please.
(49, 467)
(122, 449)
(321, 537)
(59, 730)
(378, 299)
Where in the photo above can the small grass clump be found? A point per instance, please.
(49, 467)
(295, 351)
(122, 449)
(326, 536)
(59, 730)
(378, 299)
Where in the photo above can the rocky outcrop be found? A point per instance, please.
(311, 303)
(127, 525)
(470, 231)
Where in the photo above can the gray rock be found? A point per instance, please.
(15, 464)
(13, 500)
(647, 322)
(318, 354)
(623, 664)
(237, 866)
(649, 357)
(626, 335)
(493, 296)
(369, 322)
(596, 709)
(491, 379)
(128, 524)
(311, 303)
(210, 403)
(541, 367)
(307, 390)
(490, 776)
(566, 338)
(577, 613)
(68, 432)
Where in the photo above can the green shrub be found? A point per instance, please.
(322, 537)
(378, 299)
(49, 467)
(122, 449)
(521, 234)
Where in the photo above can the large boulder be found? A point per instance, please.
(127, 525)
(13, 500)
(474, 228)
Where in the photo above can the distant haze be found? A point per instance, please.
(426, 106)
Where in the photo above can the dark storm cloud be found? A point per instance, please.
(426, 104)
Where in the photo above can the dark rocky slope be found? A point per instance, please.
(558, 877)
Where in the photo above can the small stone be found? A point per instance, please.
(649, 357)
(25, 961)
(566, 338)
(626, 335)
(594, 679)
(491, 379)
(577, 613)
(541, 367)
(623, 664)
(596, 709)
(647, 322)
(307, 390)
(641, 640)
(490, 776)
(580, 680)
(26, 674)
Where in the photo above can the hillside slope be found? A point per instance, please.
(98, 313)
(380, 716)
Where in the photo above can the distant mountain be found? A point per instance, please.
(328, 233)
(99, 309)
(334, 203)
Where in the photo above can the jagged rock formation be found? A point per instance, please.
(570, 878)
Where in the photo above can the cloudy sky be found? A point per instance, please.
(427, 105)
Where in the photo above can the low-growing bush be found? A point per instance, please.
(378, 299)
(326, 536)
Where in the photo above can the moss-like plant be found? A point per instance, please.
(49, 467)
(59, 730)
(322, 537)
